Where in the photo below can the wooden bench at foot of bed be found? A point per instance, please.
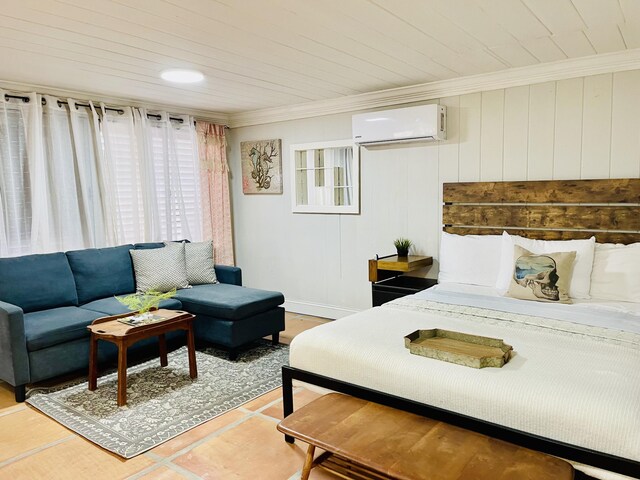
(366, 440)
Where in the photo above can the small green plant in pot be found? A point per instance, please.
(402, 246)
(142, 304)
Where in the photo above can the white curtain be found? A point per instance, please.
(169, 175)
(15, 180)
(154, 158)
(62, 180)
(339, 162)
(345, 162)
(49, 178)
(121, 159)
(76, 176)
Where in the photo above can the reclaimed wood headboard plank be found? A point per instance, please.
(608, 209)
(619, 190)
(543, 216)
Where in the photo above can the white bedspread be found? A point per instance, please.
(568, 381)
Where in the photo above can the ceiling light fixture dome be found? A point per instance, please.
(182, 76)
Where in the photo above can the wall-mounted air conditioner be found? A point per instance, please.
(410, 124)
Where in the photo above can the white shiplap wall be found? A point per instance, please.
(578, 128)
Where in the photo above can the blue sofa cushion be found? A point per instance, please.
(37, 282)
(57, 325)
(228, 302)
(111, 306)
(149, 245)
(102, 272)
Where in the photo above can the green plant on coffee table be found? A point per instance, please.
(402, 246)
(145, 302)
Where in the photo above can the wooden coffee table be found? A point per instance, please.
(365, 440)
(123, 335)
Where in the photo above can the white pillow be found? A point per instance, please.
(616, 272)
(580, 279)
(469, 259)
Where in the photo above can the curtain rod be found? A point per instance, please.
(62, 102)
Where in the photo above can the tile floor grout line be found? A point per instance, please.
(156, 466)
(217, 433)
(144, 471)
(153, 456)
(205, 439)
(14, 410)
(168, 461)
(248, 415)
(183, 471)
(267, 417)
(39, 449)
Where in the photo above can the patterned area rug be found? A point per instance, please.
(162, 402)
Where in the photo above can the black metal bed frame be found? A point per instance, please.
(552, 447)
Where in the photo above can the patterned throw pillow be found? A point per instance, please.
(160, 269)
(199, 259)
(544, 278)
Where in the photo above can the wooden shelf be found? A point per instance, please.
(383, 267)
(404, 264)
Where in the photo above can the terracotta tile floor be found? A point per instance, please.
(241, 444)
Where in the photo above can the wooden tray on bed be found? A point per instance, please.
(461, 348)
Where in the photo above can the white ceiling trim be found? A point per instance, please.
(513, 77)
(205, 115)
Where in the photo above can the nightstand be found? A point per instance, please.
(387, 279)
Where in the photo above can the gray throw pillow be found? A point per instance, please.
(199, 260)
(160, 269)
(200, 269)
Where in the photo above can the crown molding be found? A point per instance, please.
(206, 115)
(513, 77)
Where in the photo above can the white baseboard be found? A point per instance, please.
(317, 310)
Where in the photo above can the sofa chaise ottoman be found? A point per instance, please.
(48, 300)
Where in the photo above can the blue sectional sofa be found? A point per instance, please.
(47, 301)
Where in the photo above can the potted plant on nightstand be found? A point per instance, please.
(402, 246)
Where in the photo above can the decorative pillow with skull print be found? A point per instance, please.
(544, 278)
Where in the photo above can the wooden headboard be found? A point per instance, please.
(549, 210)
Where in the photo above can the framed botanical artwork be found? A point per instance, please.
(261, 166)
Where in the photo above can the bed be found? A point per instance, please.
(572, 388)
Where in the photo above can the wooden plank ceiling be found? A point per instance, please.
(268, 53)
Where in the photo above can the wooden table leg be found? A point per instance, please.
(191, 345)
(308, 463)
(162, 343)
(93, 362)
(122, 374)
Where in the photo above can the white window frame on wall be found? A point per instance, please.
(317, 207)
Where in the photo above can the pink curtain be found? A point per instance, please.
(214, 181)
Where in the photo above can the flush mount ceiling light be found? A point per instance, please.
(182, 76)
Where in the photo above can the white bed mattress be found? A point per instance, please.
(575, 381)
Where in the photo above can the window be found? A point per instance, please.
(157, 196)
(72, 177)
(325, 177)
(177, 178)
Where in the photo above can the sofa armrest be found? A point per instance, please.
(14, 359)
(227, 274)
